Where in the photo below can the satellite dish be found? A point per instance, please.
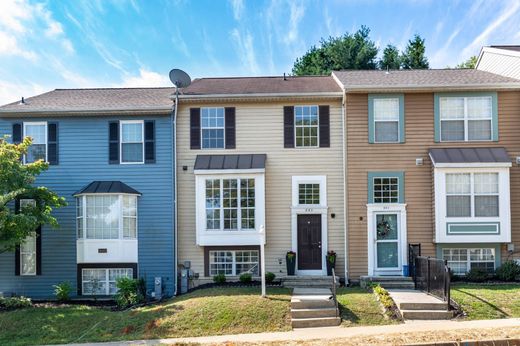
(179, 78)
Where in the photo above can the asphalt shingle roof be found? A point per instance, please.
(420, 78)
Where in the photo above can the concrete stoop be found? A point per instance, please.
(313, 307)
(388, 282)
(308, 281)
(417, 305)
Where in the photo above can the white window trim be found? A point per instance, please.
(389, 121)
(466, 120)
(33, 202)
(468, 257)
(212, 128)
(234, 263)
(37, 123)
(120, 217)
(107, 280)
(121, 123)
(206, 237)
(308, 126)
(441, 220)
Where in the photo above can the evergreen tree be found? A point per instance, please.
(413, 56)
(390, 59)
(470, 63)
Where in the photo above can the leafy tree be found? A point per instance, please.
(16, 182)
(350, 51)
(413, 56)
(470, 63)
(390, 59)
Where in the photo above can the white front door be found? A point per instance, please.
(387, 244)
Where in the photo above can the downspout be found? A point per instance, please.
(345, 187)
(174, 179)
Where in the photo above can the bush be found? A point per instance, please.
(383, 295)
(219, 278)
(269, 277)
(128, 293)
(509, 271)
(477, 275)
(246, 277)
(62, 291)
(15, 303)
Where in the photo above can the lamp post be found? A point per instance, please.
(262, 258)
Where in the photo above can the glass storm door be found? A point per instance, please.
(387, 243)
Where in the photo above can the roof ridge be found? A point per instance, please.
(263, 77)
(109, 88)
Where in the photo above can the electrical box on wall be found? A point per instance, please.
(511, 247)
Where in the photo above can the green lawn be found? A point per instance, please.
(202, 312)
(481, 301)
(359, 307)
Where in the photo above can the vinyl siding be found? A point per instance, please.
(502, 62)
(259, 130)
(364, 157)
(83, 149)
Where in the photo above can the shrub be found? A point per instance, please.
(127, 294)
(477, 275)
(62, 291)
(384, 296)
(219, 278)
(246, 277)
(269, 277)
(509, 271)
(15, 303)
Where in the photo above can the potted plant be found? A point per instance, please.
(290, 260)
(331, 261)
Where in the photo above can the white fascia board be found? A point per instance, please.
(473, 165)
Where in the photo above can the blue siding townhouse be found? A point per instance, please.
(110, 156)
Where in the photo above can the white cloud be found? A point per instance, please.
(13, 91)
(146, 78)
(54, 29)
(238, 8)
(13, 14)
(9, 47)
(246, 51)
(297, 12)
(179, 42)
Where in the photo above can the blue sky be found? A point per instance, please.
(125, 43)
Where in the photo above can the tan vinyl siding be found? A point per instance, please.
(259, 130)
(419, 127)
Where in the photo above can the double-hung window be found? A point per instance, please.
(106, 216)
(132, 142)
(230, 204)
(386, 120)
(472, 195)
(233, 262)
(38, 133)
(462, 261)
(466, 118)
(28, 247)
(306, 126)
(212, 128)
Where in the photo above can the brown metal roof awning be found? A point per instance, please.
(469, 156)
(107, 187)
(220, 162)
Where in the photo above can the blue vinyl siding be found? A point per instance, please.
(83, 151)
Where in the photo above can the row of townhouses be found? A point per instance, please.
(362, 163)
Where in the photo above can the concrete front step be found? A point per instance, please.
(313, 313)
(315, 322)
(312, 302)
(426, 314)
(397, 284)
(423, 306)
(386, 278)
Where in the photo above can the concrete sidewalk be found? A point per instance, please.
(329, 333)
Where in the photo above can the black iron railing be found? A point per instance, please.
(432, 275)
(333, 290)
(414, 250)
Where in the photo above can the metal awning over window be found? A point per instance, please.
(115, 187)
(470, 157)
(230, 162)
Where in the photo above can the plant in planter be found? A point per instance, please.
(290, 260)
(331, 261)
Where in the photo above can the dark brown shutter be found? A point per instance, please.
(52, 143)
(195, 128)
(149, 141)
(17, 133)
(288, 127)
(113, 142)
(39, 251)
(17, 249)
(230, 127)
(324, 126)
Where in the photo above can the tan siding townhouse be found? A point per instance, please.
(431, 160)
(260, 152)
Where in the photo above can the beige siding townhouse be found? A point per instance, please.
(256, 153)
(432, 159)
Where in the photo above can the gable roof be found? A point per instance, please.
(431, 79)
(262, 85)
(95, 101)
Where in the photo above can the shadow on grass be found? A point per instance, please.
(493, 306)
(347, 314)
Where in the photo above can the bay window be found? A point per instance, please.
(472, 195)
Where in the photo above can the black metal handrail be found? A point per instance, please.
(333, 290)
(432, 275)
